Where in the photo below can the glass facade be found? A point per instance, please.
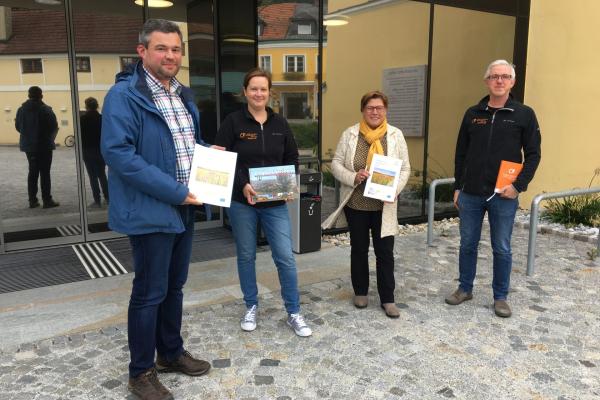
(428, 56)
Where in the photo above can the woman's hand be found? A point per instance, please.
(361, 175)
(249, 192)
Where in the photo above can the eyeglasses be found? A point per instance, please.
(372, 109)
(495, 77)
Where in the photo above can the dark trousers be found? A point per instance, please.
(161, 262)
(96, 169)
(362, 225)
(39, 167)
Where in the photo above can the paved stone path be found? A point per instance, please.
(549, 349)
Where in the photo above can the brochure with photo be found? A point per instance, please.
(274, 183)
(384, 174)
(212, 174)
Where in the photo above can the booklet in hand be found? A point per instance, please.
(384, 175)
(507, 174)
(212, 175)
(274, 183)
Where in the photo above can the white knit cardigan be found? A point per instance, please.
(342, 167)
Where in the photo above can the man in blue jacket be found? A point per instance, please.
(149, 130)
(498, 128)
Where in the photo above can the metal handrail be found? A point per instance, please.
(431, 205)
(533, 220)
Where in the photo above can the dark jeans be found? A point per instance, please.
(501, 215)
(363, 224)
(39, 167)
(96, 169)
(161, 262)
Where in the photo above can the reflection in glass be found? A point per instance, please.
(288, 46)
(101, 53)
(195, 19)
(39, 197)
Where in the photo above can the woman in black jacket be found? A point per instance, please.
(261, 138)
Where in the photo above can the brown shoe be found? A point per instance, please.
(360, 301)
(458, 297)
(146, 386)
(185, 364)
(391, 310)
(502, 309)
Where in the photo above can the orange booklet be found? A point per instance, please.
(507, 174)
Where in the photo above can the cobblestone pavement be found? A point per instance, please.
(549, 349)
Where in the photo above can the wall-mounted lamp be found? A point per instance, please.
(63, 109)
(49, 2)
(155, 3)
(7, 109)
(238, 39)
(336, 20)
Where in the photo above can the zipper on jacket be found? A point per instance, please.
(262, 137)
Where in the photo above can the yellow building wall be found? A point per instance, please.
(10, 71)
(562, 87)
(278, 59)
(464, 43)
(56, 71)
(385, 37)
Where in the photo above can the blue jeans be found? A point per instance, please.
(161, 262)
(501, 215)
(275, 222)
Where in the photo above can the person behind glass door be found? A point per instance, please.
(36, 122)
(149, 132)
(91, 126)
(366, 216)
(497, 128)
(262, 139)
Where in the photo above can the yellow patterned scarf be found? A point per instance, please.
(373, 136)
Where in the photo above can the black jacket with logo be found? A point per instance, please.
(269, 145)
(487, 137)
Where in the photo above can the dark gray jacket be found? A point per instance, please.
(37, 125)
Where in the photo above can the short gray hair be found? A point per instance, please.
(158, 25)
(499, 62)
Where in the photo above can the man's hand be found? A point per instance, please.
(214, 146)
(508, 192)
(191, 199)
(456, 193)
(248, 192)
(361, 175)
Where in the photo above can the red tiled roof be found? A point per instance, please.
(43, 32)
(277, 19)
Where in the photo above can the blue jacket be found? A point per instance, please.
(138, 148)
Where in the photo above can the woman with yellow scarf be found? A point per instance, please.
(366, 217)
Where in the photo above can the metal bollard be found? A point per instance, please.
(534, 216)
(431, 206)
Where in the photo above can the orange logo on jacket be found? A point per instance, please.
(479, 121)
(248, 136)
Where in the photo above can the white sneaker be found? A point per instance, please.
(248, 321)
(296, 322)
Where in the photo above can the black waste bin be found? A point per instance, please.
(305, 213)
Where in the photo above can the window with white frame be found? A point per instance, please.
(304, 29)
(265, 63)
(31, 66)
(294, 63)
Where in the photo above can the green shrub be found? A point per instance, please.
(305, 133)
(443, 193)
(574, 210)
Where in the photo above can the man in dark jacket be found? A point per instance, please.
(37, 125)
(498, 128)
(150, 127)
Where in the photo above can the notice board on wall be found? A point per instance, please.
(406, 88)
